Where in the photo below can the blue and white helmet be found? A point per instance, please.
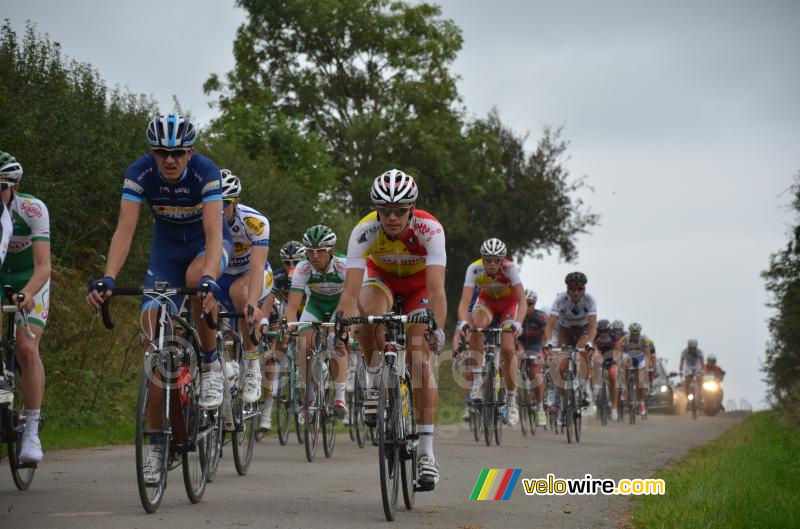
(171, 131)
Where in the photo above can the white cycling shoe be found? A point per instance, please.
(212, 384)
(252, 386)
(513, 415)
(428, 472)
(31, 449)
(153, 465)
(266, 423)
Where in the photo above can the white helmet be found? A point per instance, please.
(530, 295)
(493, 248)
(231, 186)
(692, 343)
(394, 187)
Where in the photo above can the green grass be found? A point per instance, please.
(748, 477)
(63, 438)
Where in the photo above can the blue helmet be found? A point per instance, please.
(171, 131)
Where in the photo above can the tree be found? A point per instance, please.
(371, 80)
(782, 365)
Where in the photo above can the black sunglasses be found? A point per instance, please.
(165, 153)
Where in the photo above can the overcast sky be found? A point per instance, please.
(685, 117)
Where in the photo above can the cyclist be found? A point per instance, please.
(635, 348)
(691, 366)
(191, 243)
(403, 252)
(533, 328)
(617, 330)
(713, 368)
(6, 395)
(573, 317)
(321, 274)
(27, 270)
(247, 280)
(291, 253)
(501, 299)
(605, 352)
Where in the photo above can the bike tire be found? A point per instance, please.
(522, 397)
(577, 418)
(498, 420)
(632, 398)
(328, 418)
(215, 441)
(196, 453)
(244, 437)
(285, 404)
(476, 418)
(408, 467)
(489, 405)
(602, 403)
(313, 412)
(388, 452)
(694, 402)
(357, 409)
(150, 495)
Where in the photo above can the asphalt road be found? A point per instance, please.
(95, 488)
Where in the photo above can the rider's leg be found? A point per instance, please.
(30, 363)
(510, 374)
(239, 294)
(425, 389)
(613, 372)
(537, 378)
(597, 373)
(584, 368)
(481, 318)
(339, 365)
(651, 371)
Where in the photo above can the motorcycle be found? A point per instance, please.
(712, 395)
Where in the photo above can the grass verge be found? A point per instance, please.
(748, 477)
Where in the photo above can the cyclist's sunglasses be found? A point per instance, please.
(400, 212)
(175, 153)
(576, 288)
(317, 251)
(531, 303)
(6, 185)
(291, 262)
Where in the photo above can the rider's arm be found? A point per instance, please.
(434, 277)
(41, 269)
(348, 302)
(592, 327)
(255, 283)
(548, 331)
(123, 236)
(295, 298)
(212, 226)
(522, 302)
(463, 304)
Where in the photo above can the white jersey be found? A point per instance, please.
(5, 232)
(692, 360)
(326, 285)
(249, 228)
(573, 314)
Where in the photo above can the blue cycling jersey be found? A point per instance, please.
(177, 206)
(281, 283)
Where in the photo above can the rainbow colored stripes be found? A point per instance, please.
(495, 484)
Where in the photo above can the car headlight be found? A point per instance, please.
(710, 386)
(664, 389)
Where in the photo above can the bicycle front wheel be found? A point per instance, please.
(284, 404)
(489, 405)
(14, 423)
(244, 435)
(388, 452)
(522, 398)
(568, 409)
(328, 417)
(215, 440)
(151, 439)
(408, 451)
(577, 416)
(196, 452)
(632, 397)
(313, 408)
(357, 406)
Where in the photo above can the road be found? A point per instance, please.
(96, 488)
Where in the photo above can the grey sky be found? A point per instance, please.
(684, 115)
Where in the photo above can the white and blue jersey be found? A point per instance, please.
(178, 234)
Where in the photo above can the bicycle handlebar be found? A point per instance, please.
(138, 291)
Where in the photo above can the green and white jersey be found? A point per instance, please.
(323, 286)
(31, 223)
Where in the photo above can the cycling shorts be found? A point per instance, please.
(41, 309)
(570, 336)
(169, 261)
(316, 309)
(502, 310)
(413, 288)
(226, 281)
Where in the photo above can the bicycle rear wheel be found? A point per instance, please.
(408, 452)
(328, 417)
(388, 452)
(149, 439)
(196, 451)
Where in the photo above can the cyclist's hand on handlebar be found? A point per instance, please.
(25, 301)
(589, 346)
(93, 297)
(438, 341)
(214, 291)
